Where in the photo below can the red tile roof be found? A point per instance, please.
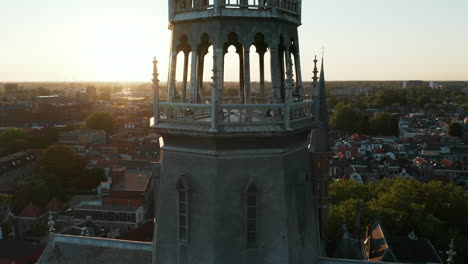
(31, 211)
(53, 206)
(378, 151)
(446, 163)
(419, 161)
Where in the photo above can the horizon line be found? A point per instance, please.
(149, 81)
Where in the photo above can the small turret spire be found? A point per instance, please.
(315, 78)
(51, 223)
(319, 138)
(451, 253)
(155, 91)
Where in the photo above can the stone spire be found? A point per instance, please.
(315, 78)
(319, 138)
(451, 253)
(155, 91)
(51, 223)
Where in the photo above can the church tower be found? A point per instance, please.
(236, 183)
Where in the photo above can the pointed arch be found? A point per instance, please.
(231, 62)
(251, 214)
(203, 49)
(262, 48)
(183, 208)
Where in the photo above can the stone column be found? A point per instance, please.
(201, 69)
(241, 76)
(184, 88)
(289, 79)
(172, 77)
(193, 78)
(217, 88)
(289, 99)
(220, 66)
(247, 75)
(217, 7)
(171, 9)
(299, 87)
(261, 56)
(275, 74)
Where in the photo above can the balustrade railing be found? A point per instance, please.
(289, 6)
(252, 114)
(183, 112)
(236, 114)
(192, 5)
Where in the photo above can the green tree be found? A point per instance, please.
(384, 124)
(455, 129)
(36, 191)
(423, 100)
(40, 91)
(64, 163)
(13, 140)
(434, 210)
(102, 120)
(460, 99)
(345, 118)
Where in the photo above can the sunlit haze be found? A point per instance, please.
(104, 40)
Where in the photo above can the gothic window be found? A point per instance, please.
(251, 215)
(183, 209)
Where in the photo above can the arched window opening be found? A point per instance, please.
(181, 69)
(233, 70)
(183, 206)
(261, 71)
(204, 68)
(251, 215)
(295, 68)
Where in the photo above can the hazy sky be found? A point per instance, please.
(115, 40)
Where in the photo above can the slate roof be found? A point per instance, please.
(347, 247)
(16, 160)
(413, 251)
(401, 249)
(89, 250)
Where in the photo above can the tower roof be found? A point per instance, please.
(319, 137)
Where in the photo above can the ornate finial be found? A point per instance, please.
(85, 232)
(315, 78)
(51, 223)
(289, 80)
(413, 236)
(451, 253)
(155, 72)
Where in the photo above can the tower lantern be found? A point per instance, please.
(236, 183)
